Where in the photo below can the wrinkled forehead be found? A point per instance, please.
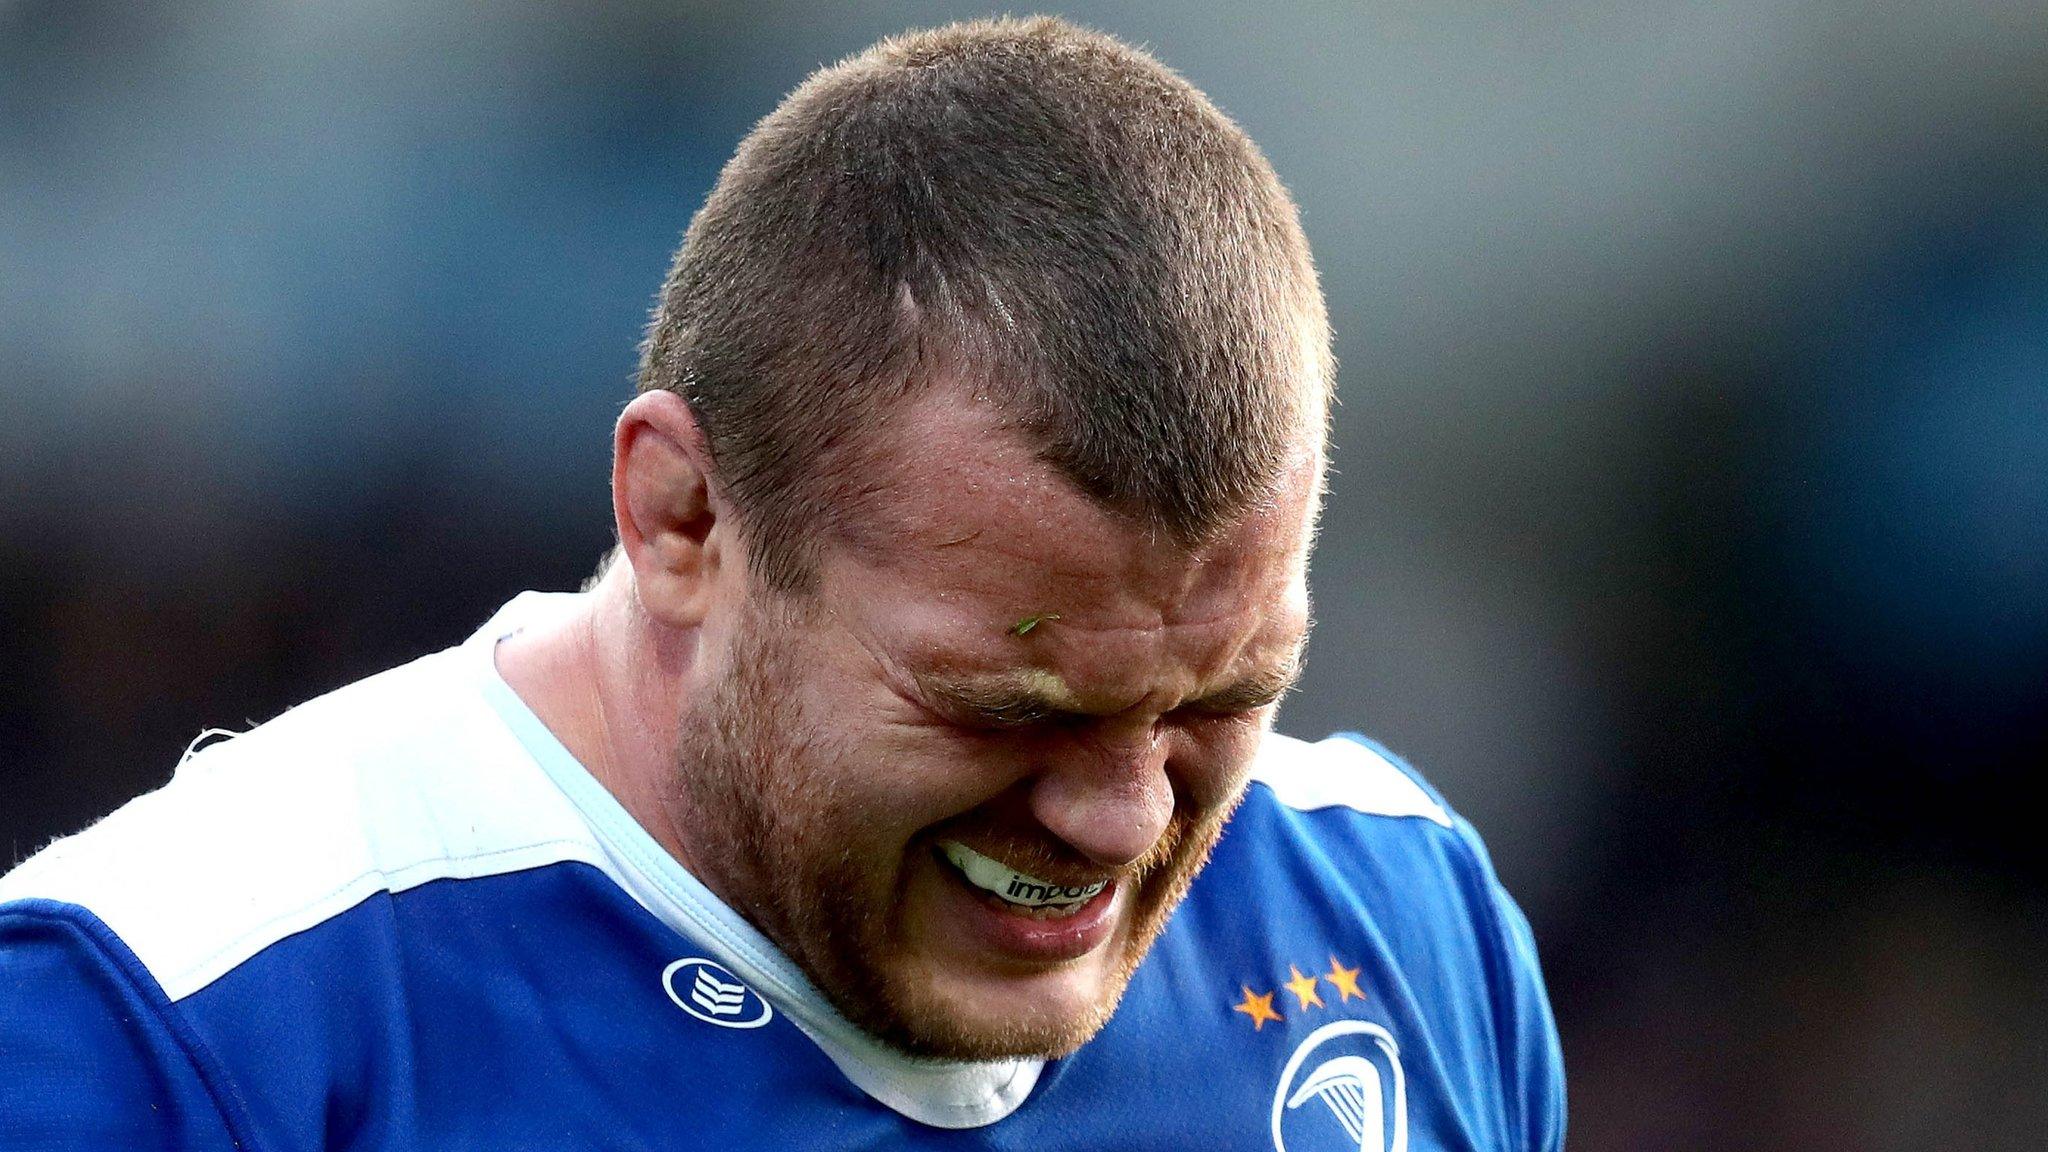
(952, 470)
(967, 534)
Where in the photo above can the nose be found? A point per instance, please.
(1109, 799)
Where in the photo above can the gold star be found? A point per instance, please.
(1304, 988)
(1345, 980)
(1259, 1008)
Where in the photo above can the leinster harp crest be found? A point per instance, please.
(1342, 1089)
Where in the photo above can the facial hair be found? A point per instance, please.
(775, 825)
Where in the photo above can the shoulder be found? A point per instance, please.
(1348, 823)
(1341, 824)
(1343, 850)
(1341, 845)
(93, 1057)
(386, 784)
(1345, 771)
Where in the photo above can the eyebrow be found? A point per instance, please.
(1017, 697)
(1255, 691)
(1030, 695)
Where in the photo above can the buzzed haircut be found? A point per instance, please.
(1037, 211)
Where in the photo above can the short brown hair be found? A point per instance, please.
(1041, 209)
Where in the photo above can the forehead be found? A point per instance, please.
(968, 537)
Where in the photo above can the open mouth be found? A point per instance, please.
(1018, 892)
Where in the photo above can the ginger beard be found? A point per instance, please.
(779, 816)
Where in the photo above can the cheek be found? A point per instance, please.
(890, 772)
(939, 771)
(1209, 762)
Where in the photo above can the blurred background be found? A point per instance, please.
(1690, 525)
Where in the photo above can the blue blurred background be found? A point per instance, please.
(1690, 524)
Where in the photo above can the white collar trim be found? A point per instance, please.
(944, 1094)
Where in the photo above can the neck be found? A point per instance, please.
(599, 683)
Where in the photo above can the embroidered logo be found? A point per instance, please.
(707, 991)
(1342, 1088)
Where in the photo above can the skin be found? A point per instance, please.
(804, 759)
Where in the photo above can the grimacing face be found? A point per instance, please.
(871, 764)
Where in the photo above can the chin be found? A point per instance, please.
(958, 1013)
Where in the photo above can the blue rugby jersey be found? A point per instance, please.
(402, 917)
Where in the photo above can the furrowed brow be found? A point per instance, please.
(1253, 692)
(1011, 698)
(1034, 695)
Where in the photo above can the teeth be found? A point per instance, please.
(1014, 887)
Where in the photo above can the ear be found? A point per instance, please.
(672, 522)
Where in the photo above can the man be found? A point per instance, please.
(863, 799)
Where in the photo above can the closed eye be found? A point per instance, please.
(1247, 696)
(1016, 713)
(1003, 708)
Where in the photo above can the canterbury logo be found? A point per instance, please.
(704, 989)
